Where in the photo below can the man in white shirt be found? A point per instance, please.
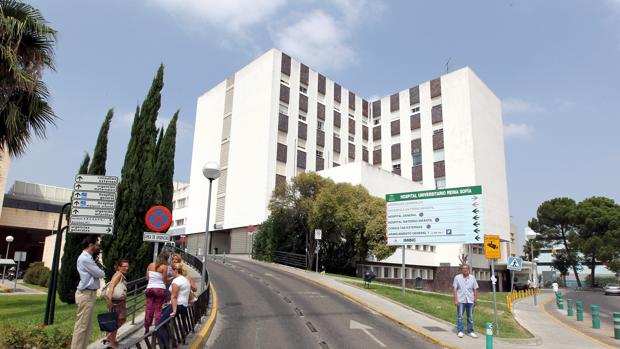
(86, 294)
(555, 286)
(465, 298)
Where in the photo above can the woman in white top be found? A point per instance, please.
(157, 275)
(179, 298)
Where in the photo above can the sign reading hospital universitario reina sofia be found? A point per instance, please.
(450, 215)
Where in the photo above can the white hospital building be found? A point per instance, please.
(276, 117)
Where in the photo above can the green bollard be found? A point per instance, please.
(561, 303)
(579, 310)
(617, 325)
(569, 303)
(489, 335)
(596, 321)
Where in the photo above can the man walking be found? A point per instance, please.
(465, 298)
(86, 293)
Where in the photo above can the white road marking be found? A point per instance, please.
(354, 325)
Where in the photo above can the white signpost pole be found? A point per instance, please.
(403, 271)
(493, 282)
(155, 249)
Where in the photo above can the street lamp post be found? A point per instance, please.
(211, 171)
(8, 240)
(531, 235)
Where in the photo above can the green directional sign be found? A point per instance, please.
(450, 215)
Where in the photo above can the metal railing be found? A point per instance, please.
(135, 297)
(292, 259)
(174, 331)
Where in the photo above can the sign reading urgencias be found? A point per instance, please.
(450, 215)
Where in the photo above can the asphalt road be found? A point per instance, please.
(607, 304)
(260, 307)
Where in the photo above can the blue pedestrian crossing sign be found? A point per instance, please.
(515, 263)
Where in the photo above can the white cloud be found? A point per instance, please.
(233, 15)
(124, 120)
(517, 131)
(512, 105)
(322, 39)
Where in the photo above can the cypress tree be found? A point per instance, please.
(69, 277)
(137, 188)
(164, 170)
(97, 166)
(159, 138)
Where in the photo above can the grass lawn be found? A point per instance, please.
(35, 287)
(29, 310)
(442, 307)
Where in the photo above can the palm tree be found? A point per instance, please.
(26, 50)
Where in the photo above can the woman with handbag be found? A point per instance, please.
(115, 295)
(179, 299)
(157, 276)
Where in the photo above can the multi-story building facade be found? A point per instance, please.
(276, 117)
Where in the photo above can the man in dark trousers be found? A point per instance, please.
(86, 294)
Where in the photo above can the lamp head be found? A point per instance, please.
(536, 260)
(211, 170)
(9, 239)
(530, 234)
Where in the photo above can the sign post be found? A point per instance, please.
(158, 219)
(403, 272)
(318, 234)
(492, 252)
(20, 256)
(514, 264)
(251, 233)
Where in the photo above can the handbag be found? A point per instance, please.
(108, 322)
(119, 292)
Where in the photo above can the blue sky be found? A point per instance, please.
(553, 63)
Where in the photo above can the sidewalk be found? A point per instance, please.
(20, 290)
(552, 332)
(130, 331)
(549, 334)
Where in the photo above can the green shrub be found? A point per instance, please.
(22, 337)
(601, 281)
(37, 274)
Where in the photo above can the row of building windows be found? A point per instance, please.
(427, 248)
(387, 272)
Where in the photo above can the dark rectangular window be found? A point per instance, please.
(336, 118)
(281, 152)
(364, 108)
(351, 126)
(414, 95)
(364, 132)
(320, 111)
(302, 130)
(337, 92)
(283, 122)
(303, 103)
(416, 173)
(301, 159)
(415, 121)
(440, 169)
(436, 114)
(396, 151)
(416, 145)
(435, 88)
(365, 155)
(284, 94)
(376, 157)
(351, 100)
(438, 139)
(320, 138)
(351, 151)
(394, 103)
(280, 180)
(376, 133)
(320, 163)
(285, 67)
(336, 144)
(304, 74)
(395, 127)
(376, 108)
(321, 87)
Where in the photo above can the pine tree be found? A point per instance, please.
(69, 277)
(164, 170)
(136, 191)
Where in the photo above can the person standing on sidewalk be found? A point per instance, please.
(86, 294)
(465, 298)
(157, 276)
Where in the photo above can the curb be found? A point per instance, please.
(366, 305)
(205, 332)
(542, 306)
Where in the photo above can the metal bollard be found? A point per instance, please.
(596, 321)
(489, 335)
(569, 303)
(617, 325)
(579, 310)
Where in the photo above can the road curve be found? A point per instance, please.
(261, 307)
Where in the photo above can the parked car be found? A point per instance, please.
(612, 289)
